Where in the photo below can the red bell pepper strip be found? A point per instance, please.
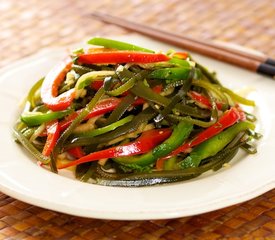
(97, 84)
(201, 99)
(229, 118)
(147, 141)
(49, 88)
(53, 133)
(121, 57)
(76, 152)
(102, 107)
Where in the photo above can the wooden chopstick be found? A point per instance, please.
(253, 62)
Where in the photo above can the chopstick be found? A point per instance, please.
(253, 62)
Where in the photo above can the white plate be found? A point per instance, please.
(20, 177)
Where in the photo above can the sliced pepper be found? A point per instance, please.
(213, 145)
(53, 133)
(177, 73)
(229, 118)
(148, 140)
(180, 133)
(114, 57)
(37, 118)
(49, 88)
(87, 78)
(203, 100)
(108, 128)
(109, 43)
(102, 107)
(76, 152)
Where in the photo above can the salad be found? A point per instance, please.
(118, 114)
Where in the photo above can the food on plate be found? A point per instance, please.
(122, 115)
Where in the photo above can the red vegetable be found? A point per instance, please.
(96, 84)
(102, 107)
(121, 57)
(203, 100)
(49, 89)
(147, 141)
(76, 152)
(53, 132)
(229, 118)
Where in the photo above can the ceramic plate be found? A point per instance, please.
(248, 176)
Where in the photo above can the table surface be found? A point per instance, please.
(28, 26)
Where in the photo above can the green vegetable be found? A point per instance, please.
(213, 145)
(165, 176)
(109, 43)
(180, 133)
(172, 74)
(88, 77)
(142, 118)
(108, 128)
(37, 118)
(31, 148)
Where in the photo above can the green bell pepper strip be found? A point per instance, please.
(87, 78)
(122, 88)
(109, 43)
(32, 119)
(179, 134)
(180, 62)
(171, 74)
(228, 119)
(213, 145)
(108, 128)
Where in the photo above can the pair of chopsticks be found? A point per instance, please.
(253, 62)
